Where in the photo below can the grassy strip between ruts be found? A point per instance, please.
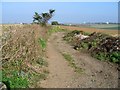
(72, 62)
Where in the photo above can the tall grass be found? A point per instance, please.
(20, 49)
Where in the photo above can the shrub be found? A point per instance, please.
(54, 23)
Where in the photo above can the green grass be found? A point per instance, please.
(42, 43)
(113, 57)
(72, 62)
(55, 29)
(113, 28)
(100, 56)
(106, 26)
(16, 79)
(22, 78)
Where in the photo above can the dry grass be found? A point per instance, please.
(21, 43)
(0, 30)
(20, 47)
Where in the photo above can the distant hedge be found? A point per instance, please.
(54, 23)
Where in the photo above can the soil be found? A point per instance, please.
(95, 73)
(91, 30)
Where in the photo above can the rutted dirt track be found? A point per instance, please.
(96, 74)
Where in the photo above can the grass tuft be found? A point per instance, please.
(72, 62)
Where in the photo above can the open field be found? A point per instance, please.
(106, 26)
(86, 29)
(101, 26)
(112, 29)
(39, 57)
(7, 25)
(59, 45)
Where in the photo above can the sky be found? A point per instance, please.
(65, 12)
(60, 0)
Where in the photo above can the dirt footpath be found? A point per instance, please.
(96, 74)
